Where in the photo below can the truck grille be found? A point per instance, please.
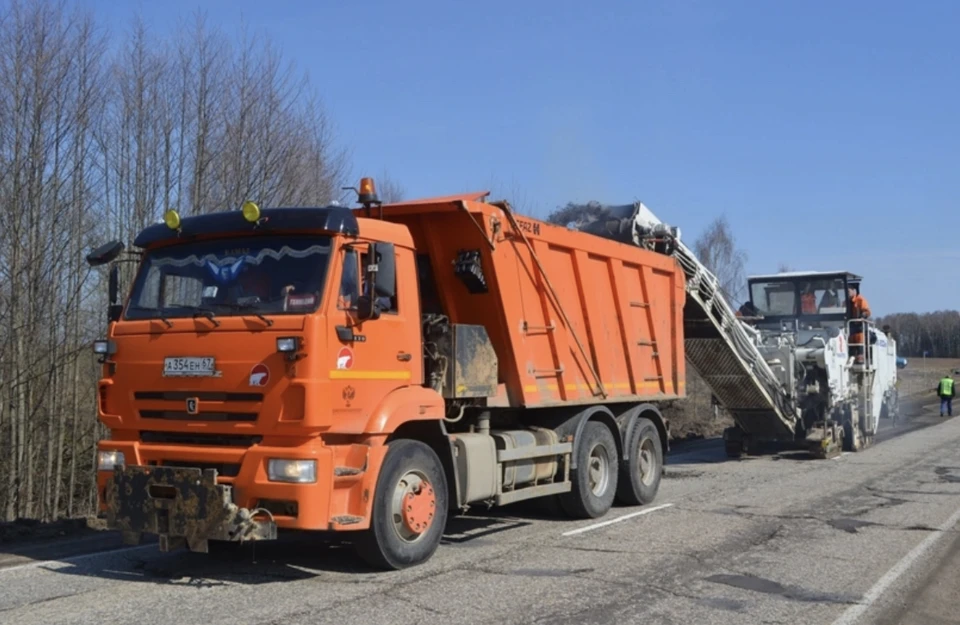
(190, 438)
(182, 415)
(201, 395)
(204, 396)
(224, 469)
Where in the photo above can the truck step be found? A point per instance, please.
(346, 471)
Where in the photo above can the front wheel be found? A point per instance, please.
(640, 475)
(595, 478)
(409, 508)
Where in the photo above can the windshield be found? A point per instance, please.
(788, 298)
(237, 276)
(773, 299)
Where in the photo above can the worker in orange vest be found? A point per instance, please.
(808, 301)
(859, 309)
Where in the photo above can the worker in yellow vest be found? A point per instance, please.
(946, 392)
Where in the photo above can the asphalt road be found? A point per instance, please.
(869, 538)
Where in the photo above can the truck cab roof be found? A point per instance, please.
(800, 275)
(335, 219)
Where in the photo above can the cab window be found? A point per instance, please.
(774, 299)
(353, 282)
(349, 281)
(388, 305)
(831, 297)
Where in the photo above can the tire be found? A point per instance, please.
(639, 478)
(734, 442)
(396, 540)
(851, 436)
(734, 449)
(596, 448)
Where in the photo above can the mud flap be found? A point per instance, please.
(182, 506)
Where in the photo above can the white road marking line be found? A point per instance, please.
(842, 454)
(616, 520)
(854, 612)
(73, 559)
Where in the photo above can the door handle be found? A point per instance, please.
(403, 356)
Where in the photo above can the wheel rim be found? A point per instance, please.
(647, 462)
(599, 470)
(413, 507)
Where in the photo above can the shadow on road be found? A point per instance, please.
(294, 556)
(305, 555)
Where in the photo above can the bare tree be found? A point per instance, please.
(717, 250)
(389, 190)
(514, 194)
(784, 268)
(95, 146)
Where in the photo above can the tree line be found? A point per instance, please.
(936, 333)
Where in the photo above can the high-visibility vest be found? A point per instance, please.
(946, 386)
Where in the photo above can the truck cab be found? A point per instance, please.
(799, 300)
(237, 345)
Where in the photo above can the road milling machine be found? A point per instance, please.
(783, 365)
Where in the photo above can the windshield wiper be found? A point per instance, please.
(165, 320)
(205, 312)
(242, 305)
(157, 314)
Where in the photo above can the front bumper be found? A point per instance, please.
(182, 506)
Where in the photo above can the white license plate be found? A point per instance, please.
(187, 366)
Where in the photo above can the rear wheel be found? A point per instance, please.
(409, 508)
(735, 442)
(639, 478)
(853, 439)
(595, 478)
(893, 407)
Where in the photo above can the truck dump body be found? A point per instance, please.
(573, 319)
(717, 344)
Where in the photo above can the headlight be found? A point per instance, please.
(287, 344)
(296, 471)
(107, 460)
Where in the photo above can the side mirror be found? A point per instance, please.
(383, 259)
(367, 309)
(104, 254)
(113, 293)
(113, 284)
(381, 272)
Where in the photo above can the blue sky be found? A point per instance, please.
(826, 132)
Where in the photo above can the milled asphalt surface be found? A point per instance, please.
(775, 539)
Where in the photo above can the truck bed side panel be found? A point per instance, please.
(577, 319)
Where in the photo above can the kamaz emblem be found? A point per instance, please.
(193, 405)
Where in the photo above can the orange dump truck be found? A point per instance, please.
(373, 370)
